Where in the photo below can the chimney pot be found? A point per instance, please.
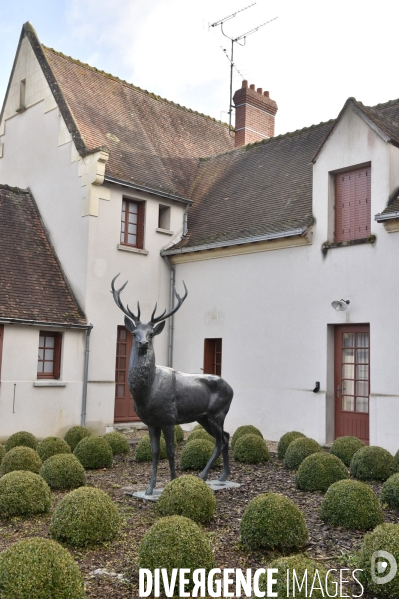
(244, 83)
(259, 90)
(255, 113)
(266, 94)
(252, 86)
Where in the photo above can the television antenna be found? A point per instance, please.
(241, 40)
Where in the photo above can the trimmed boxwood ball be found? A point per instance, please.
(23, 494)
(247, 429)
(285, 441)
(386, 537)
(373, 463)
(63, 471)
(85, 516)
(2, 453)
(301, 564)
(94, 452)
(21, 438)
(198, 427)
(351, 504)
(397, 458)
(21, 458)
(390, 492)
(299, 449)
(272, 521)
(175, 542)
(196, 454)
(143, 450)
(51, 446)
(76, 434)
(200, 433)
(39, 569)
(345, 448)
(179, 433)
(319, 471)
(118, 443)
(187, 496)
(251, 449)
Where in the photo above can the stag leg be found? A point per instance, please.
(226, 462)
(169, 432)
(216, 430)
(155, 436)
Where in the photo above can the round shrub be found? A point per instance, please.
(143, 450)
(247, 429)
(93, 453)
(299, 449)
(118, 443)
(187, 496)
(76, 434)
(197, 427)
(196, 454)
(302, 565)
(2, 453)
(21, 438)
(179, 433)
(351, 504)
(285, 441)
(175, 542)
(200, 433)
(52, 446)
(85, 516)
(272, 521)
(23, 494)
(21, 458)
(39, 569)
(319, 471)
(373, 463)
(385, 537)
(390, 492)
(345, 448)
(63, 471)
(251, 449)
(397, 459)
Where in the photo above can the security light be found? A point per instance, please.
(340, 305)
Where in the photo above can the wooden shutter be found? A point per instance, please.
(1, 344)
(57, 355)
(213, 356)
(353, 205)
(140, 225)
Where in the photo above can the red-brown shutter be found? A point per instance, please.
(57, 355)
(209, 356)
(353, 205)
(140, 225)
(1, 344)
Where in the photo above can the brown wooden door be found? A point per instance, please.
(124, 410)
(352, 381)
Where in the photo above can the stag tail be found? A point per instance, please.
(116, 294)
(163, 316)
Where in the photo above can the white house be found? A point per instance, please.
(266, 236)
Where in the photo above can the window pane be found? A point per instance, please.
(362, 387)
(131, 239)
(122, 349)
(123, 227)
(132, 229)
(41, 341)
(40, 367)
(362, 372)
(49, 355)
(120, 390)
(348, 387)
(362, 356)
(41, 352)
(348, 340)
(122, 334)
(123, 205)
(132, 208)
(362, 404)
(122, 237)
(49, 341)
(348, 371)
(133, 219)
(122, 363)
(348, 403)
(121, 376)
(362, 339)
(348, 355)
(48, 367)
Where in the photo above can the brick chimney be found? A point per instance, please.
(255, 113)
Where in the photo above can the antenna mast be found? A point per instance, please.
(236, 40)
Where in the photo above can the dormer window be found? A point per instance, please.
(352, 204)
(132, 223)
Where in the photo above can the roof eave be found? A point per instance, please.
(44, 323)
(150, 190)
(381, 217)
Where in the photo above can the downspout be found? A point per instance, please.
(171, 302)
(85, 376)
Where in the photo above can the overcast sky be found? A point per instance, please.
(311, 59)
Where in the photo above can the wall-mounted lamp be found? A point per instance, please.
(340, 305)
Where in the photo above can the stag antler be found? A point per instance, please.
(164, 316)
(116, 293)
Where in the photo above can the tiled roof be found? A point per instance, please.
(32, 284)
(152, 142)
(256, 190)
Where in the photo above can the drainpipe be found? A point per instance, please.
(85, 376)
(171, 303)
(185, 218)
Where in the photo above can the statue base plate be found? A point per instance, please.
(141, 495)
(215, 485)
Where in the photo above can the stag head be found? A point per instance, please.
(144, 333)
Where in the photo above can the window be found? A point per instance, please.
(352, 205)
(132, 223)
(49, 358)
(213, 356)
(164, 217)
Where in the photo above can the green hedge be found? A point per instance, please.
(21, 438)
(187, 496)
(299, 449)
(175, 542)
(39, 569)
(319, 471)
(85, 516)
(352, 505)
(76, 434)
(196, 454)
(21, 458)
(143, 450)
(52, 446)
(345, 448)
(2, 453)
(390, 492)
(285, 441)
(373, 463)
(246, 429)
(272, 521)
(94, 453)
(63, 471)
(385, 537)
(23, 494)
(200, 433)
(179, 433)
(118, 443)
(251, 449)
